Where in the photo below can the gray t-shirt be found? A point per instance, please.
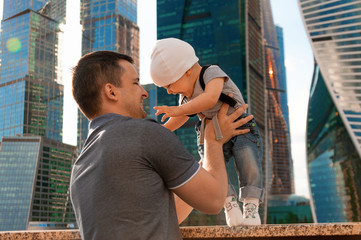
(229, 86)
(120, 183)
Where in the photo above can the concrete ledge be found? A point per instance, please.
(41, 235)
(281, 231)
(330, 231)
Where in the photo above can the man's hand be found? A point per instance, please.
(168, 112)
(228, 124)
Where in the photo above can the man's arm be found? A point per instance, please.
(207, 190)
(183, 209)
(204, 101)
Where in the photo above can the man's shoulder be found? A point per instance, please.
(145, 122)
(147, 126)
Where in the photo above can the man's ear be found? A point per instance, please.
(109, 91)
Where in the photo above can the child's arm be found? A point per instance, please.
(203, 102)
(176, 122)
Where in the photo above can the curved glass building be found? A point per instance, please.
(333, 162)
(334, 111)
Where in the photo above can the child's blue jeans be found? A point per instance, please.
(247, 151)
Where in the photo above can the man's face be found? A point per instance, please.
(131, 92)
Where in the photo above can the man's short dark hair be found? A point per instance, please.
(92, 72)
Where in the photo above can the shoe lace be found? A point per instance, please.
(250, 210)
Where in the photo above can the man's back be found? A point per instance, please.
(120, 182)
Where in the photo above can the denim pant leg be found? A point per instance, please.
(200, 147)
(247, 152)
(227, 151)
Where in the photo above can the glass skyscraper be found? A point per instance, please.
(282, 78)
(226, 33)
(334, 111)
(34, 164)
(31, 94)
(281, 204)
(280, 168)
(34, 190)
(150, 101)
(108, 25)
(333, 162)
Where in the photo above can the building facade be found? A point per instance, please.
(280, 165)
(334, 111)
(150, 101)
(35, 177)
(34, 164)
(282, 78)
(289, 208)
(333, 161)
(108, 25)
(31, 94)
(280, 200)
(226, 33)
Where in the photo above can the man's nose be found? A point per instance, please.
(145, 93)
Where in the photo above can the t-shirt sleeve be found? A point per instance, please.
(213, 72)
(167, 155)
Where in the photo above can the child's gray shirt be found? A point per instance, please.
(229, 86)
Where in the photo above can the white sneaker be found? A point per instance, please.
(233, 212)
(250, 213)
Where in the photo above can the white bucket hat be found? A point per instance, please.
(171, 58)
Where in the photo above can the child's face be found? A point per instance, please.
(181, 86)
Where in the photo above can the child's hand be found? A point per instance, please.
(168, 112)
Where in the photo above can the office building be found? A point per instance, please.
(31, 94)
(333, 161)
(280, 166)
(282, 77)
(108, 25)
(34, 164)
(288, 208)
(334, 111)
(226, 33)
(150, 101)
(34, 190)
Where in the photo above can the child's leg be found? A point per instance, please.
(247, 152)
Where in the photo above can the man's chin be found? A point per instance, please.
(142, 115)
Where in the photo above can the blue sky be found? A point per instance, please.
(299, 68)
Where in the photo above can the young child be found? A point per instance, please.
(174, 66)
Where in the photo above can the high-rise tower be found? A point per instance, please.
(280, 165)
(282, 204)
(108, 25)
(334, 111)
(34, 165)
(226, 33)
(31, 94)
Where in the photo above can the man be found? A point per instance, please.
(133, 178)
